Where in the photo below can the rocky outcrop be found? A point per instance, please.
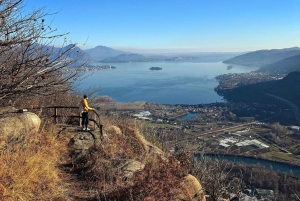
(15, 126)
(80, 145)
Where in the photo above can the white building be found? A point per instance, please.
(297, 128)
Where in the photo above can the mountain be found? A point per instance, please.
(101, 52)
(125, 58)
(283, 66)
(263, 57)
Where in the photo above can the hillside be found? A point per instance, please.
(119, 166)
(263, 57)
(287, 88)
(283, 66)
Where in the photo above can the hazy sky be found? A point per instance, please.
(177, 25)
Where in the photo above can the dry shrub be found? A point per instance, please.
(97, 175)
(58, 99)
(30, 171)
(97, 168)
(157, 181)
(38, 104)
(130, 144)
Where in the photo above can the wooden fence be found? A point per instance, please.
(95, 117)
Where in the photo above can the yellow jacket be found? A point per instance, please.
(85, 105)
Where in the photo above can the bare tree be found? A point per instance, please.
(297, 196)
(29, 63)
(216, 178)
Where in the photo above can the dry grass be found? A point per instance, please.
(159, 180)
(29, 171)
(130, 144)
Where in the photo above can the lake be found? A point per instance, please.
(176, 83)
(189, 116)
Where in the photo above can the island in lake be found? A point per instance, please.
(155, 68)
(230, 67)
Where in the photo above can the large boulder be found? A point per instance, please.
(189, 190)
(14, 126)
(128, 167)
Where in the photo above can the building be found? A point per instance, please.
(295, 128)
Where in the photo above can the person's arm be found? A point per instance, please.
(86, 106)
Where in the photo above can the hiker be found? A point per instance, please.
(85, 113)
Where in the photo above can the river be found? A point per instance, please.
(277, 166)
(176, 83)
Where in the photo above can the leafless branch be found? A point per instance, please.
(29, 63)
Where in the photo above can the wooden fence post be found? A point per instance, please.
(55, 114)
(80, 116)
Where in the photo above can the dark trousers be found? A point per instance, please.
(85, 119)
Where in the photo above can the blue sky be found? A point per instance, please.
(177, 25)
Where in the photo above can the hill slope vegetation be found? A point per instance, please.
(263, 57)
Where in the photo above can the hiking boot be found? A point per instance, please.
(87, 129)
(83, 128)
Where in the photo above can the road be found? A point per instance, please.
(294, 107)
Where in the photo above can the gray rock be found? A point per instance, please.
(16, 126)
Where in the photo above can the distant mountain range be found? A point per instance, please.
(271, 61)
(108, 55)
(184, 57)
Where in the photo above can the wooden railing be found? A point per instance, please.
(97, 120)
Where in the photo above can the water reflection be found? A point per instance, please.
(189, 116)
